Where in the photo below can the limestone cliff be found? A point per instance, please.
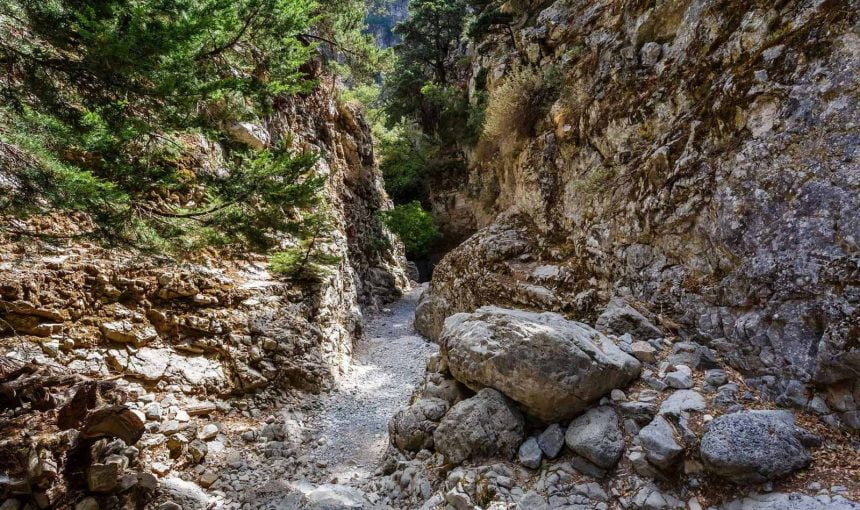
(699, 159)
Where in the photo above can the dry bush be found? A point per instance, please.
(511, 106)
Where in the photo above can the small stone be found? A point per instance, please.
(644, 352)
(126, 481)
(160, 468)
(596, 435)
(680, 379)
(818, 405)
(176, 445)
(683, 401)
(716, 377)
(658, 440)
(89, 503)
(147, 481)
(152, 411)
(208, 478)
(210, 430)
(200, 409)
(102, 477)
(551, 440)
(530, 454)
(235, 459)
(197, 449)
(617, 396)
(170, 427)
(650, 54)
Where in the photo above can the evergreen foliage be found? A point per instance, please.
(109, 100)
(308, 260)
(415, 227)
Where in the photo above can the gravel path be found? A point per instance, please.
(387, 364)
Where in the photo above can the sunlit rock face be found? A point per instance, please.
(698, 160)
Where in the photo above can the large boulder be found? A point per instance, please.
(484, 426)
(753, 446)
(412, 427)
(553, 367)
(596, 435)
(430, 315)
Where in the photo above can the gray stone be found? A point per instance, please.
(658, 441)
(639, 412)
(335, 497)
(682, 401)
(753, 446)
(170, 427)
(619, 318)
(412, 427)
(650, 54)
(484, 426)
(551, 366)
(209, 431)
(458, 499)
(532, 501)
(596, 435)
(551, 440)
(716, 377)
(649, 497)
(586, 467)
(530, 454)
(185, 494)
(644, 352)
(681, 378)
(788, 501)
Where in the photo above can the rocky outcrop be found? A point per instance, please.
(549, 365)
(698, 161)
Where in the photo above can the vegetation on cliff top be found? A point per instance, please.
(108, 103)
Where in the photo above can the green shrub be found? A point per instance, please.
(309, 260)
(405, 156)
(414, 226)
(490, 19)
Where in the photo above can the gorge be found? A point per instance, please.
(638, 222)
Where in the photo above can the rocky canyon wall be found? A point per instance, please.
(211, 326)
(697, 158)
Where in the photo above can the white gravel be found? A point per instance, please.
(387, 365)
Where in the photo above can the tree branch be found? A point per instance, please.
(232, 42)
(333, 43)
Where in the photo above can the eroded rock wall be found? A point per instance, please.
(214, 326)
(700, 159)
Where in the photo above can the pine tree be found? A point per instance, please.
(103, 96)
